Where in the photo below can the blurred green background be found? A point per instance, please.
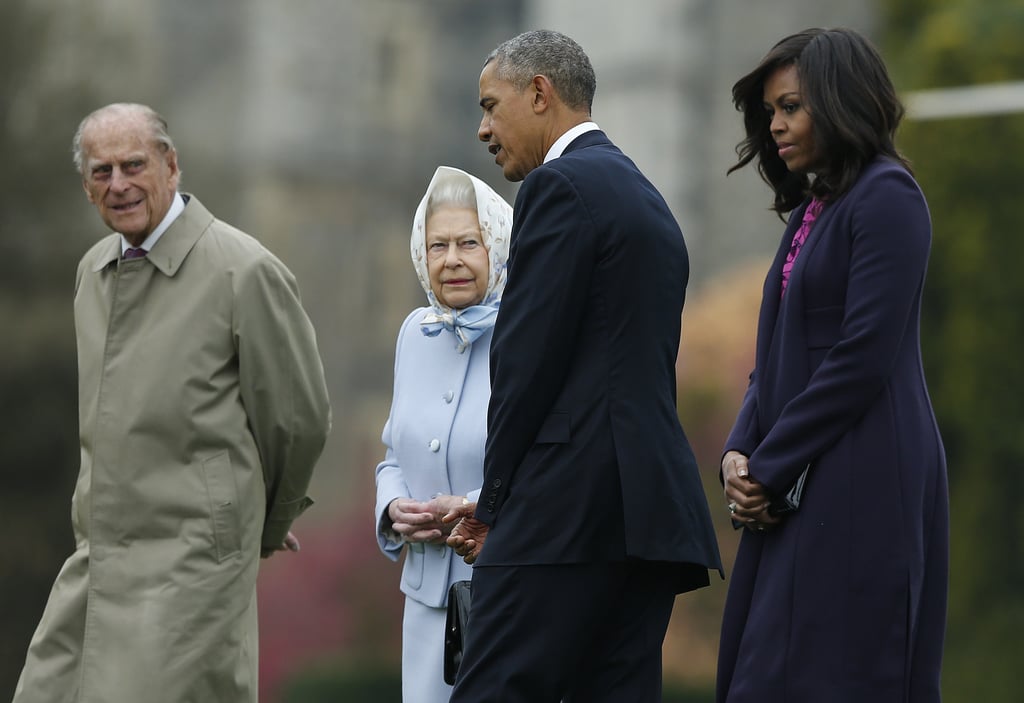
(328, 172)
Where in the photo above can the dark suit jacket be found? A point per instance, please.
(845, 601)
(585, 457)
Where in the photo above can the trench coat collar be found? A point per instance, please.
(170, 250)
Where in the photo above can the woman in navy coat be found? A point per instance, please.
(438, 422)
(842, 599)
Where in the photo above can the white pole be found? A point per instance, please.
(968, 101)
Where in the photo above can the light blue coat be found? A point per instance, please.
(435, 445)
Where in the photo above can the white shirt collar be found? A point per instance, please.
(566, 139)
(176, 208)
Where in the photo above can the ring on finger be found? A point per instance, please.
(732, 507)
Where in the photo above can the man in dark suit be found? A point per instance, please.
(592, 507)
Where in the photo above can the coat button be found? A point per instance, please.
(448, 397)
(496, 483)
(435, 445)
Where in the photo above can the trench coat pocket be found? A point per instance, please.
(223, 497)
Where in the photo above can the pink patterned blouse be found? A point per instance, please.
(810, 215)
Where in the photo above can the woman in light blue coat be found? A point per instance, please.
(438, 422)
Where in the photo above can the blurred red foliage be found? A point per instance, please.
(337, 599)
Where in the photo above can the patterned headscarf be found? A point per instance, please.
(496, 229)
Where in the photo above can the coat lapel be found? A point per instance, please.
(170, 250)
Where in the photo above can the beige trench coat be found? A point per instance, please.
(203, 409)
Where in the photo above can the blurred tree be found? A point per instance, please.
(331, 616)
(970, 169)
(38, 415)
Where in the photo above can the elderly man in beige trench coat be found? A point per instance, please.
(203, 410)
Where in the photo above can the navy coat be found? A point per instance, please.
(846, 600)
(585, 458)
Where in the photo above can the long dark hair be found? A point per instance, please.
(853, 106)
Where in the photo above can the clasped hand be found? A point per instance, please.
(420, 521)
(290, 544)
(468, 535)
(747, 499)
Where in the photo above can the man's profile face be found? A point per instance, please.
(126, 174)
(510, 126)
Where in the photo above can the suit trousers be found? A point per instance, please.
(588, 632)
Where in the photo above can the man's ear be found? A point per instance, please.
(171, 159)
(544, 94)
(88, 193)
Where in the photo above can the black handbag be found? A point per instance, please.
(791, 501)
(456, 625)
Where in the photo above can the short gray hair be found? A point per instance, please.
(454, 191)
(551, 54)
(156, 123)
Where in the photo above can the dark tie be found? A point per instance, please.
(134, 253)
